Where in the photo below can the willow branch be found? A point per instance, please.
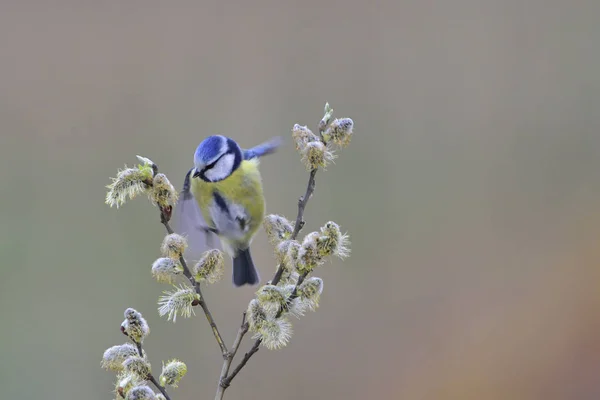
(150, 377)
(227, 363)
(225, 380)
(302, 201)
(165, 217)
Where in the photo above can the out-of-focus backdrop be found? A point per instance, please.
(471, 190)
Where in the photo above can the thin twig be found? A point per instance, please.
(310, 188)
(227, 363)
(227, 381)
(164, 219)
(150, 377)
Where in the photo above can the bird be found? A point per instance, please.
(223, 196)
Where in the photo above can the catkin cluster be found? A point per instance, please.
(293, 292)
(131, 364)
(144, 179)
(141, 179)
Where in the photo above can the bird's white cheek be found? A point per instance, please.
(222, 168)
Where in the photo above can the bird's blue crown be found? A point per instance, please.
(210, 148)
(216, 158)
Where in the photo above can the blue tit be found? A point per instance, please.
(223, 196)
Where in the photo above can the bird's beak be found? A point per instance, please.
(196, 173)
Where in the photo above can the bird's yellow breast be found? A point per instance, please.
(243, 187)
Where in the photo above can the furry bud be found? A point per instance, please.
(138, 366)
(129, 183)
(273, 298)
(135, 326)
(114, 356)
(275, 333)
(163, 192)
(173, 246)
(255, 315)
(211, 267)
(302, 136)
(333, 241)
(292, 254)
(340, 132)
(125, 382)
(308, 255)
(309, 292)
(180, 301)
(172, 373)
(278, 228)
(165, 269)
(281, 251)
(316, 154)
(142, 392)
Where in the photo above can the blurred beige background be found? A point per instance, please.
(471, 190)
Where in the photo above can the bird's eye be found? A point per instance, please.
(209, 166)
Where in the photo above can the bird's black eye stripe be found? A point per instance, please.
(212, 164)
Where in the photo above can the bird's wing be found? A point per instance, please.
(190, 223)
(263, 149)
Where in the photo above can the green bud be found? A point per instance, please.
(172, 373)
(146, 162)
(327, 114)
(211, 267)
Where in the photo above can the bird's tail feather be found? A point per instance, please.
(244, 271)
